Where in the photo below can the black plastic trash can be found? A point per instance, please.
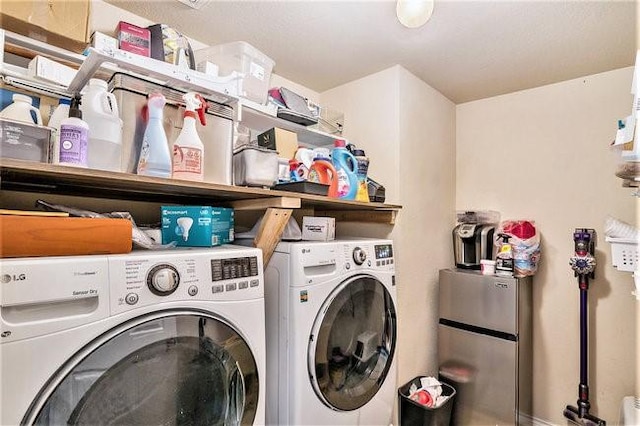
(414, 414)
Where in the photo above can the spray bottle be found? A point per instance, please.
(504, 258)
(188, 150)
(155, 157)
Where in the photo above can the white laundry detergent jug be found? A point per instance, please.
(100, 111)
(20, 110)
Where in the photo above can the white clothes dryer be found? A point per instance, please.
(331, 333)
(146, 338)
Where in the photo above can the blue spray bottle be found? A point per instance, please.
(155, 156)
(346, 167)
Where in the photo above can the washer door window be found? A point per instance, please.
(352, 345)
(171, 368)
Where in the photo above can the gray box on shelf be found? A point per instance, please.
(24, 141)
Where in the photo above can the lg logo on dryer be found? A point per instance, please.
(7, 278)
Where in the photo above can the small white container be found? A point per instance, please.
(318, 228)
(255, 166)
(242, 57)
(487, 267)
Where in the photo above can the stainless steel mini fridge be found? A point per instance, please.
(485, 346)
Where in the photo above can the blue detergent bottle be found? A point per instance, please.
(346, 166)
(155, 157)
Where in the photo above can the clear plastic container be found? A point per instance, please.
(242, 57)
(255, 166)
(24, 141)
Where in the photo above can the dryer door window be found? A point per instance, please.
(169, 368)
(352, 344)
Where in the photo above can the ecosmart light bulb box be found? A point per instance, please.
(197, 226)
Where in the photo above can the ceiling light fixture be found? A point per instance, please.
(414, 13)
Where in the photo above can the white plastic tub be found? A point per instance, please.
(242, 57)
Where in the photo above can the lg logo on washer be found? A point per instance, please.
(7, 278)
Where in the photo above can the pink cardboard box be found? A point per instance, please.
(134, 39)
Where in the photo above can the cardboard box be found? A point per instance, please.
(197, 226)
(134, 39)
(48, 70)
(318, 228)
(283, 141)
(61, 23)
(102, 42)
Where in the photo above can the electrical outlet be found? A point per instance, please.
(196, 4)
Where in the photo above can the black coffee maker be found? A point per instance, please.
(472, 242)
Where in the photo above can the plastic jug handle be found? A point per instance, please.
(38, 116)
(110, 105)
(353, 161)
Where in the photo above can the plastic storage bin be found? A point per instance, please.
(624, 253)
(255, 166)
(414, 414)
(242, 57)
(24, 141)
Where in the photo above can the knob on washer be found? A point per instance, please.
(163, 279)
(359, 256)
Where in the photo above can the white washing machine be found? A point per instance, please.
(146, 338)
(331, 333)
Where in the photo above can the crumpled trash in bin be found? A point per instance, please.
(429, 393)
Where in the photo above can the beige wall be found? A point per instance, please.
(427, 195)
(408, 130)
(543, 154)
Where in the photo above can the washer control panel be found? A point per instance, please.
(185, 274)
(368, 255)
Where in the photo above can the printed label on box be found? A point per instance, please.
(197, 226)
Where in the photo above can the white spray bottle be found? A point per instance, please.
(155, 157)
(188, 150)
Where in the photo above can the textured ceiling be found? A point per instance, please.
(468, 50)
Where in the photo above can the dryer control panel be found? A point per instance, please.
(226, 274)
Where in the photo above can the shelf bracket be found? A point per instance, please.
(270, 231)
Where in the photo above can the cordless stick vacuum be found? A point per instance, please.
(583, 264)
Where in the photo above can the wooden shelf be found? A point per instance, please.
(18, 175)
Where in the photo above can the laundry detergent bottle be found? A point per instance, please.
(346, 167)
(155, 157)
(100, 111)
(21, 110)
(363, 166)
(188, 150)
(322, 171)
